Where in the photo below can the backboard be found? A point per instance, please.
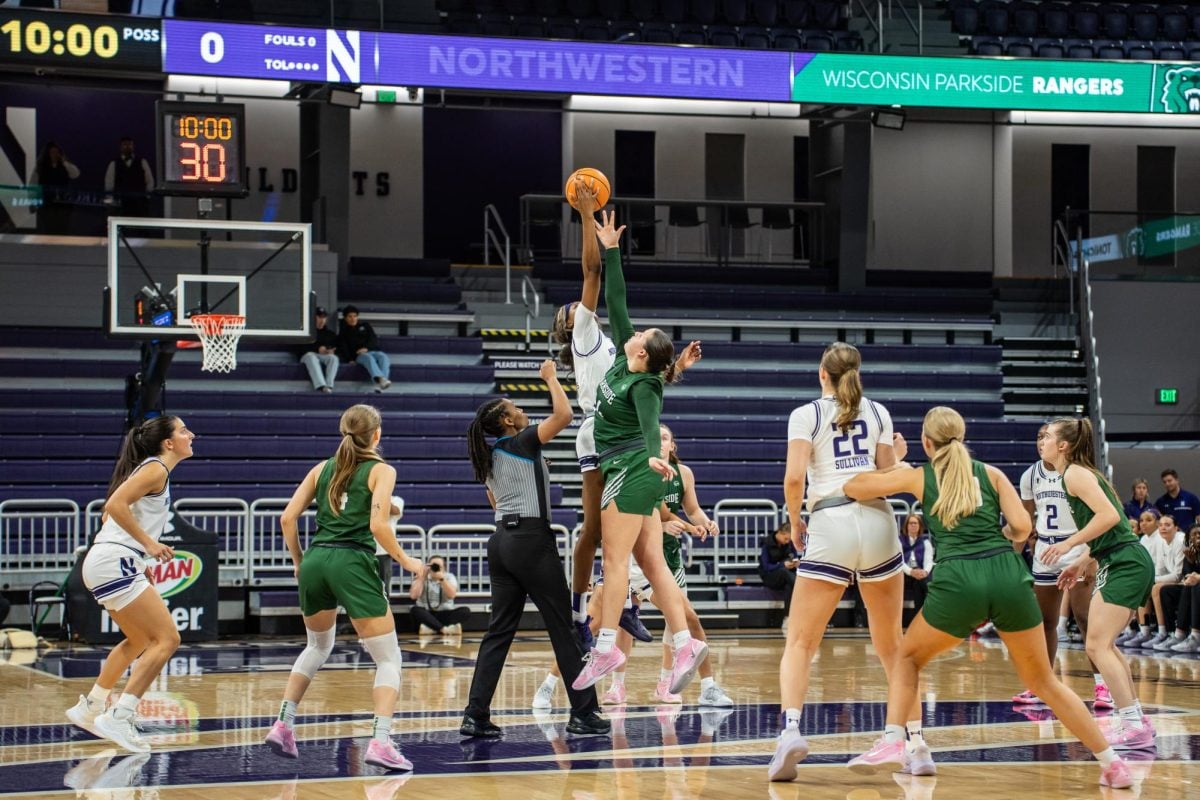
(162, 271)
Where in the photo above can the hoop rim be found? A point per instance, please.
(216, 323)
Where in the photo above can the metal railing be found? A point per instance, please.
(533, 308)
(1087, 334)
(38, 536)
(490, 240)
(39, 540)
(743, 523)
(875, 17)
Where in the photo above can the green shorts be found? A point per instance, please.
(341, 576)
(1125, 576)
(631, 484)
(965, 592)
(673, 555)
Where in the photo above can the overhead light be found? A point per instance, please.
(345, 98)
(891, 120)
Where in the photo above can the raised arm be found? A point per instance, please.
(585, 204)
(560, 406)
(614, 288)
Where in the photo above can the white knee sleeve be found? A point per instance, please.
(386, 652)
(320, 645)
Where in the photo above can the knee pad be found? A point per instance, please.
(320, 645)
(386, 652)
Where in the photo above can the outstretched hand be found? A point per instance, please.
(606, 230)
(548, 371)
(585, 198)
(689, 355)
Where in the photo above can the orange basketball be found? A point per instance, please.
(594, 179)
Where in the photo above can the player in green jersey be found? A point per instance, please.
(353, 491)
(978, 576)
(1124, 574)
(628, 403)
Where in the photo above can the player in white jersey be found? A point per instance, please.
(829, 441)
(588, 352)
(117, 570)
(1046, 501)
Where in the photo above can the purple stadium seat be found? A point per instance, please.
(594, 30)
(787, 40)
(723, 36)
(797, 13)
(965, 19)
(1173, 23)
(1019, 49)
(657, 33)
(561, 28)
(849, 42)
(756, 38)
(689, 33)
(1085, 20)
(1171, 52)
(1144, 22)
(1025, 19)
(1140, 52)
(1111, 50)
(1051, 50)
(988, 47)
(1114, 20)
(995, 17)
(1081, 50)
(826, 14)
(818, 42)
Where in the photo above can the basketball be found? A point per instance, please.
(594, 179)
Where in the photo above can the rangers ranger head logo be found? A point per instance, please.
(1181, 91)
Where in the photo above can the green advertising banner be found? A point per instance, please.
(1001, 83)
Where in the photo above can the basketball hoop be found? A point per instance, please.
(219, 334)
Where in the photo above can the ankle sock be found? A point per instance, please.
(287, 713)
(680, 639)
(381, 728)
(1131, 717)
(707, 683)
(1106, 756)
(98, 698)
(665, 674)
(551, 682)
(125, 706)
(893, 733)
(606, 639)
(791, 718)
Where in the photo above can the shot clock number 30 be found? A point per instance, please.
(200, 148)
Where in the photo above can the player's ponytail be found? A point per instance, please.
(660, 355)
(842, 362)
(1081, 444)
(358, 426)
(560, 334)
(140, 442)
(958, 493)
(486, 423)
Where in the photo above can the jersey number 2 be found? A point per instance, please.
(1051, 518)
(854, 438)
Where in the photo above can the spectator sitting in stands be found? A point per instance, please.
(358, 343)
(777, 564)
(1147, 524)
(320, 356)
(1178, 502)
(917, 549)
(1140, 502)
(434, 591)
(1181, 601)
(1167, 551)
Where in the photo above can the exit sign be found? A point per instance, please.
(1166, 397)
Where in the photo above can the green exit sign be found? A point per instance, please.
(1167, 397)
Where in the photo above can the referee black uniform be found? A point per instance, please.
(523, 562)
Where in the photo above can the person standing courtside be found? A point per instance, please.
(523, 559)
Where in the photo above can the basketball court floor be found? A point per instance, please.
(209, 711)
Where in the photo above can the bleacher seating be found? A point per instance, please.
(1052, 29)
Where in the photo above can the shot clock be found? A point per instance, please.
(54, 39)
(200, 149)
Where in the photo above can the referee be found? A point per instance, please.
(523, 559)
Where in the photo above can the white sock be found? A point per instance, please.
(287, 713)
(606, 640)
(618, 678)
(1144, 628)
(125, 706)
(1131, 716)
(551, 682)
(1099, 678)
(1106, 756)
(1062, 623)
(381, 728)
(1162, 630)
(664, 675)
(629, 599)
(893, 733)
(706, 684)
(791, 718)
(98, 697)
(913, 726)
(680, 639)
(1138, 705)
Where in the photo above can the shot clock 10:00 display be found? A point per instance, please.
(200, 149)
(68, 41)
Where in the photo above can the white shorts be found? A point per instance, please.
(1044, 574)
(857, 541)
(114, 574)
(637, 581)
(585, 445)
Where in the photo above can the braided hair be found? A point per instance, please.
(486, 423)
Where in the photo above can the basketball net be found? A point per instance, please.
(219, 334)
